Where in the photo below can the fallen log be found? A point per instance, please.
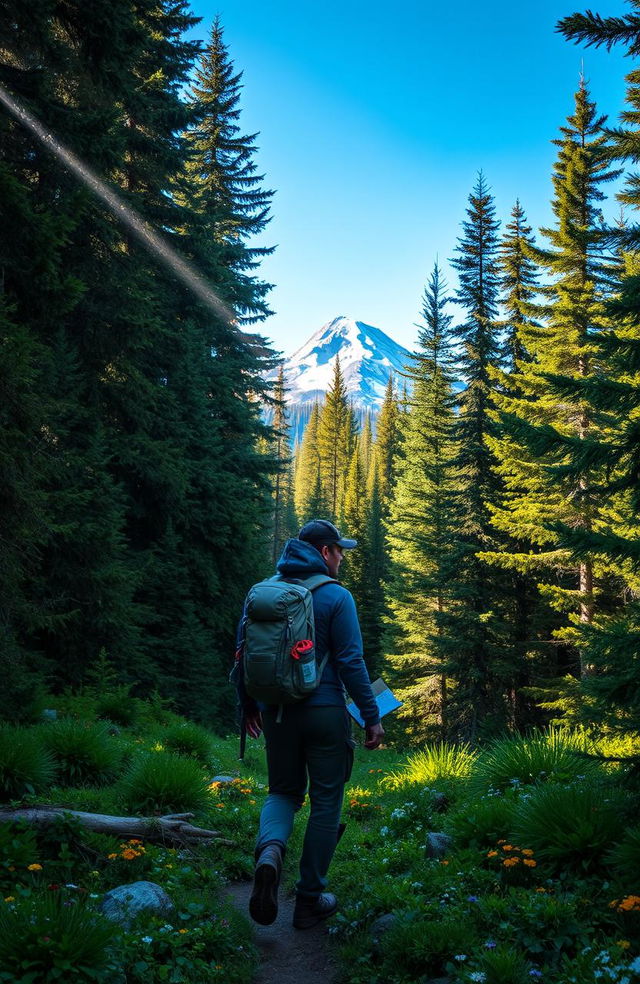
(173, 829)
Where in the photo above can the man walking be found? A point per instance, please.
(310, 741)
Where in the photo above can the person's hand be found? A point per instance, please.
(253, 723)
(373, 736)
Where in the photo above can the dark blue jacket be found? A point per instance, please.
(337, 630)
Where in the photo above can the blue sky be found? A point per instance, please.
(374, 120)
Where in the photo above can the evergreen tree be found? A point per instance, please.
(423, 526)
(282, 487)
(308, 492)
(336, 442)
(476, 641)
(386, 446)
(539, 427)
(519, 281)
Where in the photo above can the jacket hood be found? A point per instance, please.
(300, 559)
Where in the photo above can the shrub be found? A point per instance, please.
(527, 759)
(47, 939)
(166, 782)
(482, 822)
(570, 826)
(420, 944)
(25, 766)
(189, 739)
(437, 761)
(117, 706)
(625, 858)
(504, 965)
(84, 751)
(18, 848)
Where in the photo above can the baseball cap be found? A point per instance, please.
(320, 532)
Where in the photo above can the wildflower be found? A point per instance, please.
(528, 852)
(477, 975)
(10, 898)
(129, 854)
(444, 862)
(183, 931)
(134, 840)
(169, 866)
(540, 889)
(54, 887)
(491, 945)
(460, 957)
(69, 885)
(252, 802)
(492, 854)
(384, 831)
(530, 863)
(34, 867)
(510, 862)
(111, 856)
(147, 939)
(94, 874)
(623, 944)
(535, 973)
(472, 898)
(507, 847)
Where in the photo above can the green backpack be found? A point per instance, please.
(277, 646)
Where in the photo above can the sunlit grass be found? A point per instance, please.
(438, 761)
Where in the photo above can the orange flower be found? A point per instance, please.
(492, 854)
(528, 852)
(530, 863)
(34, 867)
(134, 840)
(509, 862)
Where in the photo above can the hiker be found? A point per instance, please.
(311, 738)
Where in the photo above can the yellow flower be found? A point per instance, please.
(528, 852)
(181, 931)
(530, 863)
(34, 867)
(134, 840)
(10, 898)
(168, 866)
(541, 890)
(624, 944)
(492, 854)
(111, 856)
(252, 802)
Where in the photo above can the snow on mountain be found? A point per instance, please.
(367, 358)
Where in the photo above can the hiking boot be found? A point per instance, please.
(263, 904)
(310, 911)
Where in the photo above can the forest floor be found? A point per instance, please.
(287, 955)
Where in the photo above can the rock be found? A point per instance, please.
(49, 714)
(222, 779)
(437, 845)
(440, 802)
(124, 903)
(380, 926)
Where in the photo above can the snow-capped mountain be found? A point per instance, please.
(367, 357)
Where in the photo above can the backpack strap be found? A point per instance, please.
(311, 583)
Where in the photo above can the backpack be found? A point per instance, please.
(277, 640)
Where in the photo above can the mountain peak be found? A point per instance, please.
(367, 358)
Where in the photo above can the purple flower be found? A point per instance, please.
(472, 898)
(491, 944)
(535, 973)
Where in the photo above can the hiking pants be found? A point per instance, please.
(311, 743)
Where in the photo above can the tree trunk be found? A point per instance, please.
(172, 829)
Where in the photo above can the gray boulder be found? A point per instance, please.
(124, 903)
(437, 845)
(380, 926)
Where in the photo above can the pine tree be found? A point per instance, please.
(422, 530)
(308, 492)
(519, 281)
(540, 429)
(386, 446)
(336, 442)
(282, 487)
(612, 642)
(476, 639)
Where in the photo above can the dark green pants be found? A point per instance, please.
(314, 745)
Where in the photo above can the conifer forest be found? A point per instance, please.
(495, 497)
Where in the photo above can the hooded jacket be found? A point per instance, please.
(337, 631)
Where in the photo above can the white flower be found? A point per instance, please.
(384, 831)
(147, 939)
(477, 975)
(460, 957)
(398, 814)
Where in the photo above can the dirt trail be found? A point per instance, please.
(289, 956)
